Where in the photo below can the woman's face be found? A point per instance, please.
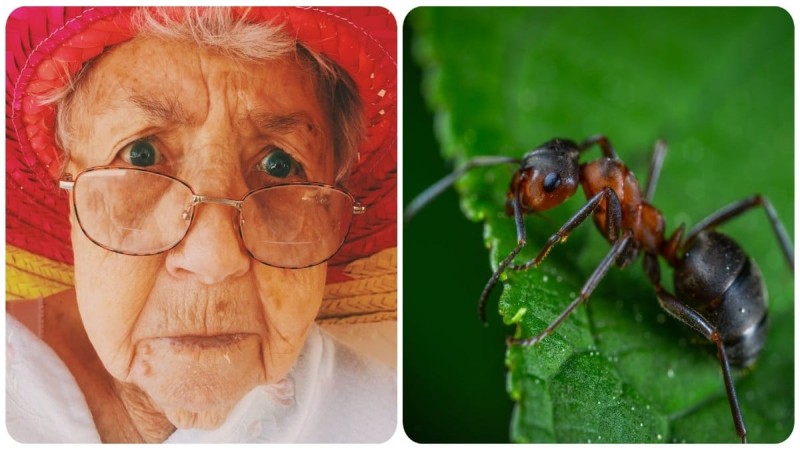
(200, 325)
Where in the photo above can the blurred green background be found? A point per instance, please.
(717, 84)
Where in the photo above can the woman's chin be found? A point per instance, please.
(196, 381)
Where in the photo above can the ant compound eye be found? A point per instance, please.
(551, 182)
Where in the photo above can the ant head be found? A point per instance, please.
(548, 176)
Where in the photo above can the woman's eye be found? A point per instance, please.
(279, 164)
(141, 153)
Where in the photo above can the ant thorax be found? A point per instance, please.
(646, 222)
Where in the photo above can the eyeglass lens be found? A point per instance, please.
(295, 225)
(142, 213)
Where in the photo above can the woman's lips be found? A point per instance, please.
(214, 341)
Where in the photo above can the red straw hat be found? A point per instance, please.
(42, 43)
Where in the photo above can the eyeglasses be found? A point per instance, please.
(137, 212)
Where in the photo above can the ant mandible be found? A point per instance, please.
(719, 289)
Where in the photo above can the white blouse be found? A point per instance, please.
(331, 395)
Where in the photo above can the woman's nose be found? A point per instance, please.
(212, 250)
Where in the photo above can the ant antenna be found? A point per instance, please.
(428, 195)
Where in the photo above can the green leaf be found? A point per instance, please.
(717, 84)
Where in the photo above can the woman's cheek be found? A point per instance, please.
(291, 299)
(111, 290)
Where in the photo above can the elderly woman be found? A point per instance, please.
(204, 154)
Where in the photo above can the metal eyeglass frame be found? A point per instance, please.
(67, 183)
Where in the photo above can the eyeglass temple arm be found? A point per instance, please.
(358, 208)
(66, 183)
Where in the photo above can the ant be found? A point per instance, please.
(719, 289)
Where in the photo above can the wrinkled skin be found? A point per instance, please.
(185, 334)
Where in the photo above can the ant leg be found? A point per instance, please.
(651, 268)
(617, 249)
(693, 319)
(737, 208)
(437, 188)
(656, 162)
(519, 221)
(613, 223)
(602, 142)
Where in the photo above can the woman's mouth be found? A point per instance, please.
(203, 342)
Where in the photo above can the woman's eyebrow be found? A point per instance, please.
(160, 109)
(272, 123)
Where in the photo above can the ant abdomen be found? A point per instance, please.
(718, 280)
